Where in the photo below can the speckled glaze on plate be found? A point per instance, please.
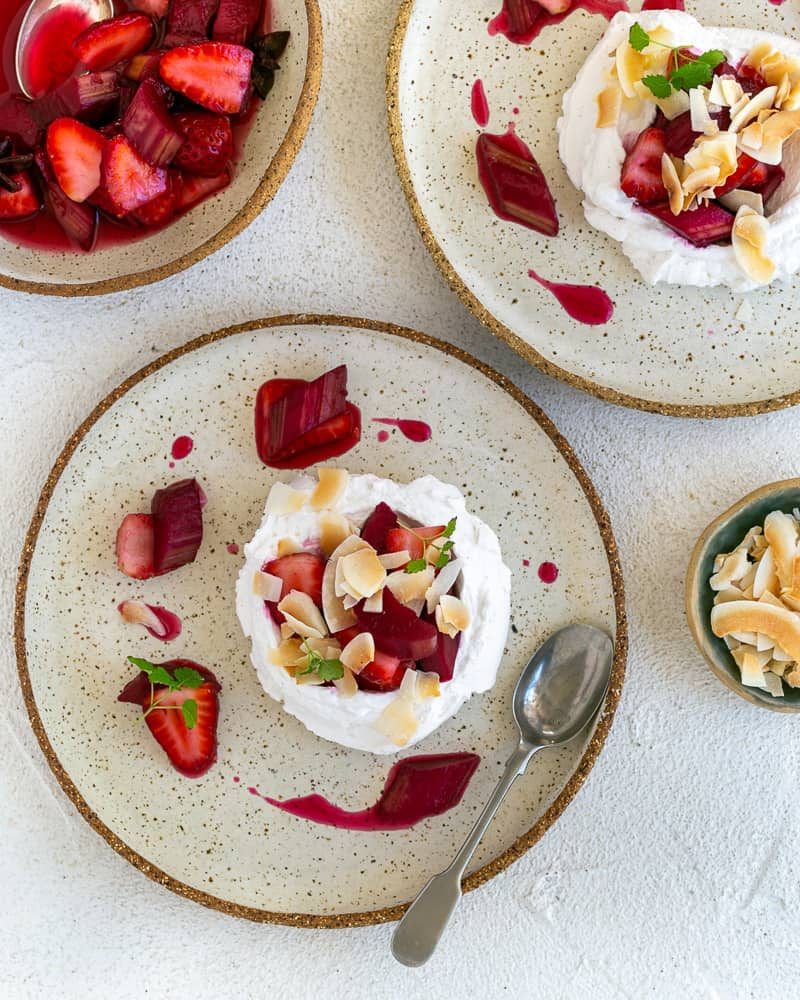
(668, 349)
(269, 151)
(247, 858)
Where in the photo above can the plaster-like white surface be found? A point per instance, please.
(672, 874)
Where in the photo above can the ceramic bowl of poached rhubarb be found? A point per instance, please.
(134, 147)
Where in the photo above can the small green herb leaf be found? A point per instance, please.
(144, 665)
(187, 677)
(416, 565)
(444, 555)
(330, 670)
(659, 86)
(690, 75)
(712, 58)
(451, 527)
(189, 710)
(638, 37)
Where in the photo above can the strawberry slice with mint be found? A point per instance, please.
(108, 42)
(75, 152)
(641, 171)
(180, 702)
(214, 75)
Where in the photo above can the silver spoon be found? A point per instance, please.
(557, 695)
(97, 10)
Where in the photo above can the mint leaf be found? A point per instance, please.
(712, 58)
(330, 670)
(187, 677)
(444, 556)
(416, 565)
(659, 86)
(144, 665)
(691, 75)
(451, 527)
(158, 675)
(638, 38)
(189, 711)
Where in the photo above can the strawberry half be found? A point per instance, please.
(384, 673)
(214, 75)
(641, 171)
(108, 42)
(401, 539)
(299, 571)
(208, 144)
(128, 180)
(190, 189)
(745, 167)
(75, 152)
(160, 210)
(135, 541)
(17, 206)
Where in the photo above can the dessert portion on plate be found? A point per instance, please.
(375, 609)
(683, 140)
(132, 121)
(757, 603)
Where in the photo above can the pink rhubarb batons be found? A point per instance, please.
(165, 539)
(514, 183)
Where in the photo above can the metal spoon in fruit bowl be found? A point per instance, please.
(556, 697)
(95, 10)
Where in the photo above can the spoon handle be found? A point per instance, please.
(418, 933)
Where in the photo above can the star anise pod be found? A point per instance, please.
(12, 164)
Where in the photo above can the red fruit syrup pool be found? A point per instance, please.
(181, 447)
(415, 430)
(522, 20)
(479, 104)
(584, 303)
(416, 788)
(48, 62)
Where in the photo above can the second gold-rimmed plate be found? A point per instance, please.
(669, 349)
(209, 839)
(274, 139)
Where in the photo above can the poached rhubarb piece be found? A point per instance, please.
(191, 748)
(702, 226)
(514, 183)
(165, 539)
(299, 423)
(521, 21)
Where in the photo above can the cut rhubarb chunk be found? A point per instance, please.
(150, 127)
(397, 630)
(119, 38)
(703, 226)
(177, 513)
(236, 20)
(678, 136)
(514, 183)
(87, 97)
(128, 179)
(19, 121)
(155, 8)
(207, 146)
(384, 673)
(213, 74)
(378, 525)
(190, 18)
(443, 660)
(522, 16)
(78, 221)
(299, 571)
(75, 152)
(135, 546)
(641, 171)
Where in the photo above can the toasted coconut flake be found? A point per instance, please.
(455, 612)
(288, 654)
(609, 105)
(745, 638)
(793, 678)
(284, 499)
(749, 240)
(328, 647)
(443, 583)
(759, 52)
(773, 683)
(672, 183)
(733, 567)
(409, 587)
(780, 530)
(287, 630)
(358, 652)
(729, 594)
(758, 102)
(725, 91)
(288, 547)
(674, 106)
(346, 685)
(334, 529)
(267, 587)
(139, 613)
(698, 108)
(780, 624)
(312, 678)
(362, 573)
(781, 126)
(734, 200)
(398, 721)
(766, 578)
(752, 671)
(764, 644)
(330, 488)
(783, 91)
(769, 598)
(792, 101)
(428, 686)
(348, 601)
(374, 605)
(698, 180)
(718, 151)
(337, 617)
(303, 615)
(394, 560)
(631, 67)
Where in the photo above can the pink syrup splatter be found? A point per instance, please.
(548, 572)
(526, 563)
(479, 104)
(584, 303)
(673, 4)
(383, 436)
(414, 430)
(181, 448)
(233, 548)
(521, 21)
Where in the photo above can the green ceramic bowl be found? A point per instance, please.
(723, 535)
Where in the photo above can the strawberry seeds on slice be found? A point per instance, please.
(75, 152)
(128, 179)
(299, 571)
(641, 171)
(207, 146)
(108, 42)
(214, 75)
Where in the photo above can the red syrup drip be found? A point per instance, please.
(521, 21)
(526, 563)
(233, 548)
(548, 572)
(584, 303)
(479, 104)
(416, 788)
(415, 430)
(182, 447)
(383, 436)
(673, 4)
(170, 624)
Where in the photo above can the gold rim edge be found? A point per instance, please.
(266, 190)
(500, 330)
(493, 867)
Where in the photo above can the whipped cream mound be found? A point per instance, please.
(485, 586)
(593, 158)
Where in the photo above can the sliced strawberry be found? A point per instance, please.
(384, 673)
(377, 526)
(208, 144)
(299, 571)
(703, 226)
(155, 8)
(236, 20)
(129, 180)
(143, 66)
(775, 177)
(108, 42)
(758, 175)
(401, 539)
(17, 206)
(135, 546)
(75, 152)
(190, 189)
(397, 630)
(641, 171)
(741, 175)
(160, 210)
(214, 75)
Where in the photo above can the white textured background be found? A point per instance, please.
(673, 874)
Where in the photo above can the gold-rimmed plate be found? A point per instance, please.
(209, 839)
(669, 349)
(274, 139)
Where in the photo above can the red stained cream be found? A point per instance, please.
(479, 104)
(522, 20)
(548, 572)
(182, 447)
(414, 430)
(584, 303)
(416, 788)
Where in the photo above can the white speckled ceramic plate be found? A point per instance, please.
(209, 839)
(269, 151)
(673, 350)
